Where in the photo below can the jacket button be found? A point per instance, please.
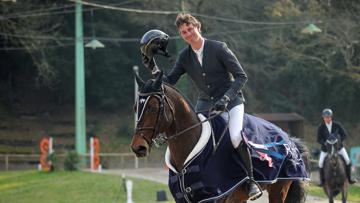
(204, 74)
(208, 86)
(212, 98)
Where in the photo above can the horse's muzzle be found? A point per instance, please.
(140, 151)
(139, 146)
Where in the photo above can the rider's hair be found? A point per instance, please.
(188, 19)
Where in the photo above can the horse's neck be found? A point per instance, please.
(335, 162)
(181, 146)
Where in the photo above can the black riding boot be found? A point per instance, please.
(254, 191)
(321, 177)
(348, 174)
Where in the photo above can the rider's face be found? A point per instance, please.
(327, 119)
(190, 33)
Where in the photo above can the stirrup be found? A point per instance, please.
(256, 195)
(352, 181)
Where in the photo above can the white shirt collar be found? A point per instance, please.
(329, 125)
(199, 52)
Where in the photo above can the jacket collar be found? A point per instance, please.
(205, 52)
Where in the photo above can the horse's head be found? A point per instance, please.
(154, 115)
(332, 146)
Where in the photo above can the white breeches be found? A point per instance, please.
(342, 152)
(235, 123)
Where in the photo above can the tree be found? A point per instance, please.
(288, 71)
(24, 25)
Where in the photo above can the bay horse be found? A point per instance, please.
(165, 115)
(334, 171)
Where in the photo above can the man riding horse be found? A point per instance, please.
(325, 129)
(217, 74)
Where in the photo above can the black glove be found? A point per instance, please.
(221, 104)
(148, 63)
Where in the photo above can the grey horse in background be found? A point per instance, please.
(334, 171)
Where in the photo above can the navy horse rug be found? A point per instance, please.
(210, 174)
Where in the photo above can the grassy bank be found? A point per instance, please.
(353, 193)
(84, 187)
(69, 187)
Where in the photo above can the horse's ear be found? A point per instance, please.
(158, 80)
(139, 81)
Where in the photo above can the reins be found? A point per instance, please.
(160, 139)
(215, 144)
(194, 126)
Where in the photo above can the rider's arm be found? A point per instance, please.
(233, 66)
(320, 137)
(176, 72)
(342, 132)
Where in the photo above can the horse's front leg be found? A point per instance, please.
(331, 196)
(343, 196)
(278, 191)
(344, 193)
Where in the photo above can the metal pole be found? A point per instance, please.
(6, 162)
(136, 89)
(80, 118)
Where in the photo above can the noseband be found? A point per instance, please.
(332, 143)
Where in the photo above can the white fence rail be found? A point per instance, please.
(8, 161)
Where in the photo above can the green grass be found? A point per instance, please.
(84, 187)
(353, 192)
(68, 187)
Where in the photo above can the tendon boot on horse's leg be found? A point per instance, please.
(254, 191)
(321, 177)
(348, 174)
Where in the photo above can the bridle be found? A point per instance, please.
(333, 152)
(157, 138)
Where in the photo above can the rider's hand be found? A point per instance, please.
(222, 103)
(148, 63)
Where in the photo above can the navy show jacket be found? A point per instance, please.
(323, 134)
(220, 74)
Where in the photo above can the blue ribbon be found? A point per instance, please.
(271, 152)
(273, 144)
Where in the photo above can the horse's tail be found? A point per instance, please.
(305, 153)
(297, 192)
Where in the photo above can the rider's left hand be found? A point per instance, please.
(222, 103)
